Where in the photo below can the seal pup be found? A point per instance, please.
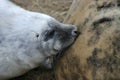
(28, 39)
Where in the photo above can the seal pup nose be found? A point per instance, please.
(75, 33)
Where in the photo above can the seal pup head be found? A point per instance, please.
(55, 37)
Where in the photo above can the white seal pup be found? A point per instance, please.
(28, 38)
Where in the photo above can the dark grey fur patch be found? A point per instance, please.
(102, 20)
(118, 3)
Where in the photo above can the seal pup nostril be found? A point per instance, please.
(75, 33)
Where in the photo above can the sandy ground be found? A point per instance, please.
(56, 8)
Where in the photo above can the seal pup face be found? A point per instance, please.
(55, 37)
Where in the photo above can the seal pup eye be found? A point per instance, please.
(49, 34)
